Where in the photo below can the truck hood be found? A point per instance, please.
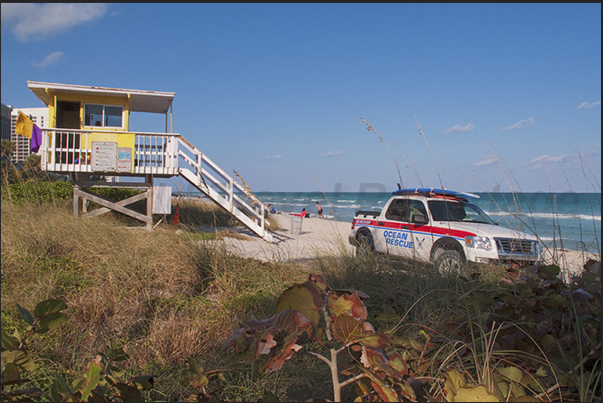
(489, 230)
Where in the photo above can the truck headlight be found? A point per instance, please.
(480, 242)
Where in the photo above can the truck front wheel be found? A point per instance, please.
(448, 262)
(366, 245)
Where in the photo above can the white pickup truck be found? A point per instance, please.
(442, 227)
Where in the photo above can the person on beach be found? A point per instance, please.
(319, 210)
(303, 214)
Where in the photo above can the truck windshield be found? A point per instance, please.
(442, 210)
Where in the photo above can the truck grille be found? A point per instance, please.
(515, 246)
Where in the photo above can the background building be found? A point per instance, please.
(22, 144)
(5, 122)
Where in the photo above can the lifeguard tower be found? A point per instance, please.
(89, 135)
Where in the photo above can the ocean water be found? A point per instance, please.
(560, 220)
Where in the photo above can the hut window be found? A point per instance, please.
(103, 115)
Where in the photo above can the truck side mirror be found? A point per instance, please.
(419, 219)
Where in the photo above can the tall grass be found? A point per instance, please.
(163, 295)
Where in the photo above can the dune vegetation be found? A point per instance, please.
(169, 315)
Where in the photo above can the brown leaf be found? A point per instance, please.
(346, 329)
(277, 362)
(347, 304)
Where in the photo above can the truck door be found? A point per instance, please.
(422, 236)
(393, 234)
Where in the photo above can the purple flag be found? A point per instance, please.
(36, 139)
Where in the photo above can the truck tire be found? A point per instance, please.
(448, 261)
(366, 245)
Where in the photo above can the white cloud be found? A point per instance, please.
(548, 158)
(37, 21)
(520, 124)
(460, 129)
(587, 105)
(486, 161)
(274, 157)
(333, 153)
(49, 60)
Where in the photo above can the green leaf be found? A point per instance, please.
(25, 315)
(52, 321)
(513, 374)
(92, 377)
(475, 394)
(374, 340)
(305, 298)
(145, 382)
(194, 366)
(9, 342)
(129, 393)
(48, 307)
(20, 358)
(10, 372)
(388, 317)
(550, 272)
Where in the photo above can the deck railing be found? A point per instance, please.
(70, 151)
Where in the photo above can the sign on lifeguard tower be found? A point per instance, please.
(104, 156)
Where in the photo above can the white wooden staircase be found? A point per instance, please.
(222, 193)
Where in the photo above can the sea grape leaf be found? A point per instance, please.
(385, 392)
(52, 321)
(92, 377)
(305, 298)
(454, 381)
(10, 372)
(372, 358)
(20, 358)
(374, 340)
(406, 390)
(289, 347)
(237, 340)
(25, 315)
(129, 393)
(9, 342)
(289, 321)
(398, 364)
(550, 272)
(146, 382)
(319, 282)
(388, 317)
(48, 307)
(346, 329)
(513, 374)
(407, 342)
(475, 394)
(346, 304)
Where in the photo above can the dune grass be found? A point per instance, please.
(171, 294)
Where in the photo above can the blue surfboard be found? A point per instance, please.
(433, 191)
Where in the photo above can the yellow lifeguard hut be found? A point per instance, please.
(89, 135)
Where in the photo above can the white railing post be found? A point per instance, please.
(231, 194)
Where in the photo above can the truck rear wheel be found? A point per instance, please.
(448, 262)
(366, 245)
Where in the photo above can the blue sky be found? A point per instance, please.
(505, 95)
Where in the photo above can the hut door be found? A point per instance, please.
(68, 117)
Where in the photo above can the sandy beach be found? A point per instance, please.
(321, 237)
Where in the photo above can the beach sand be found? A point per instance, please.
(322, 237)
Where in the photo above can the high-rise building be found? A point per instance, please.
(22, 144)
(5, 122)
